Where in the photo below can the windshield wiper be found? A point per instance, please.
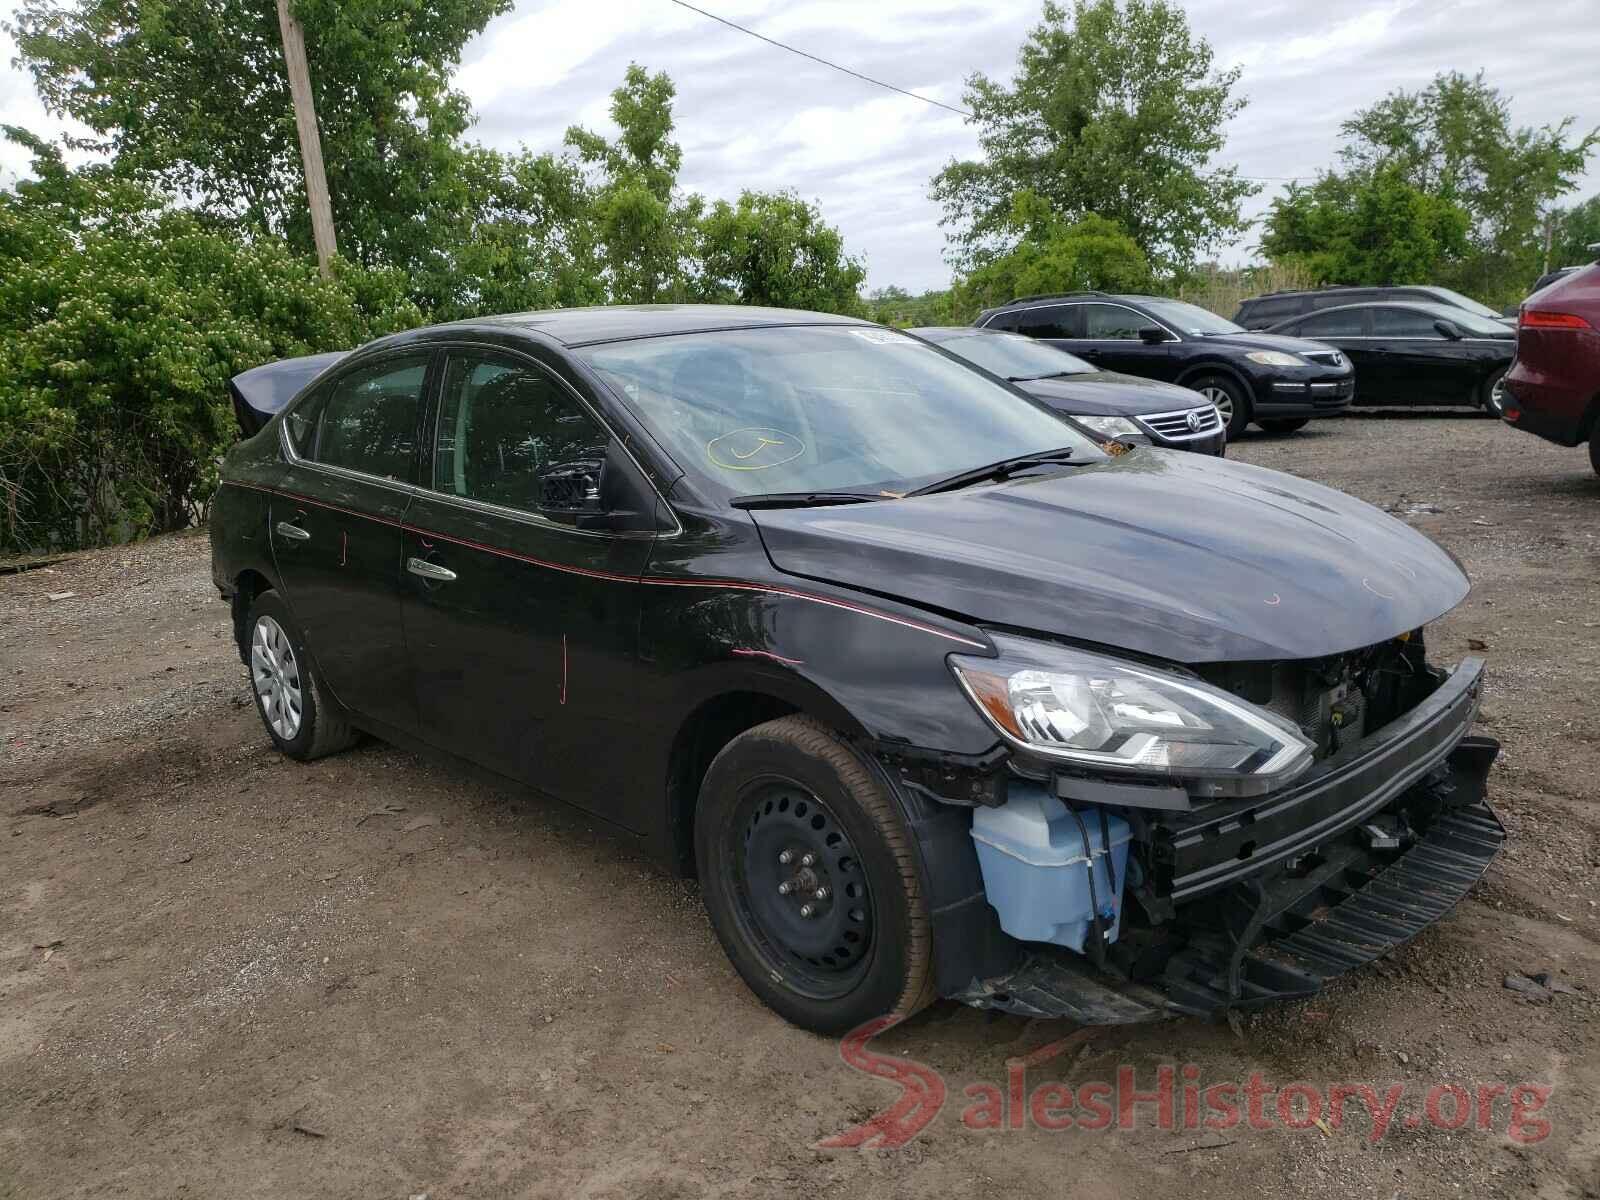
(1051, 375)
(803, 499)
(1003, 469)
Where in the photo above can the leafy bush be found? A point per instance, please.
(1053, 255)
(121, 321)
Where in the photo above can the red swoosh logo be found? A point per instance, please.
(922, 1093)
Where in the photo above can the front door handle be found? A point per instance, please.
(293, 532)
(428, 570)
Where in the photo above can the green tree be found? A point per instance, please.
(1115, 109)
(644, 227)
(1577, 233)
(1053, 254)
(774, 248)
(1370, 226)
(521, 235)
(121, 321)
(194, 94)
(1455, 140)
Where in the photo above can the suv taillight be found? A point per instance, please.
(1551, 320)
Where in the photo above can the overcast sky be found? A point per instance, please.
(753, 116)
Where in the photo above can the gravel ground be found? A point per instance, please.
(223, 973)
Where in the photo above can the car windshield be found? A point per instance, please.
(1189, 318)
(1012, 356)
(1467, 302)
(1466, 321)
(812, 408)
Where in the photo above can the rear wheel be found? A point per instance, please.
(1285, 424)
(809, 877)
(300, 719)
(1594, 454)
(1233, 406)
(1493, 393)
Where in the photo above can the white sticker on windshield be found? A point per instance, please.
(885, 337)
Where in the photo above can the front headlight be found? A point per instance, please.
(1109, 426)
(1275, 358)
(1110, 715)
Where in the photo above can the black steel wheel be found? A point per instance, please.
(802, 898)
(811, 880)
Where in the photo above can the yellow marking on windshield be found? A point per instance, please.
(784, 447)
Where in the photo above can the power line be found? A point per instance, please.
(961, 112)
(835, 66)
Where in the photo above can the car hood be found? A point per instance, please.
(1266, 341)
(1181, 556)
(1110, 394)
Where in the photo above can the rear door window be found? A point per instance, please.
(368, 418)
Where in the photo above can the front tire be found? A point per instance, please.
(1594, 453)
(810, 879)
(293, 705)
(1285, 424)
(1231, 402)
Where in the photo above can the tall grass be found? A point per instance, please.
(1221, 289)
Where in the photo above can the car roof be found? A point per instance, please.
(585, 326)
(1056, 298)
(1293, 293)
(1433, 308)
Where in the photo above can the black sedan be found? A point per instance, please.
(1280, 383)
(1416, 353)
(1112, 406)
(934, 696)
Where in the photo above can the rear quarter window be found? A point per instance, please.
(1269, 312)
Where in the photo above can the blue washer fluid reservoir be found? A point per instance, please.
(1036, 867)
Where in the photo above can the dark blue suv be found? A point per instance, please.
(1278, 382)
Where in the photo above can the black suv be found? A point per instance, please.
(1280, 383)
(1259, 312)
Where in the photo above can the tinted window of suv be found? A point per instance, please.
(1269, 312)
(1052, 321)
(1112, 321)
(368, 421)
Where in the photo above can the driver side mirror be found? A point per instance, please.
(572, 488)
(1151, 335)
(594, 494)
(1448, 329)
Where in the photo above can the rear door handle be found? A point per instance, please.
(293, 532)
(428, 570)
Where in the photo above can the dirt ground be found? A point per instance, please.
(227, 974)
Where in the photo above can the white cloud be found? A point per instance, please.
(752, 115)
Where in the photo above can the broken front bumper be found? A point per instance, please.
(1274, 898)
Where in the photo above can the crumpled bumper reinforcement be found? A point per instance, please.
(1301, 933)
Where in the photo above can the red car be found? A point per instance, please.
(1553, 388)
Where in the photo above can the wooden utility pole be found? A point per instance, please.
(305, 120)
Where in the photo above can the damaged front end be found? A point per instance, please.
(1245, 865)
